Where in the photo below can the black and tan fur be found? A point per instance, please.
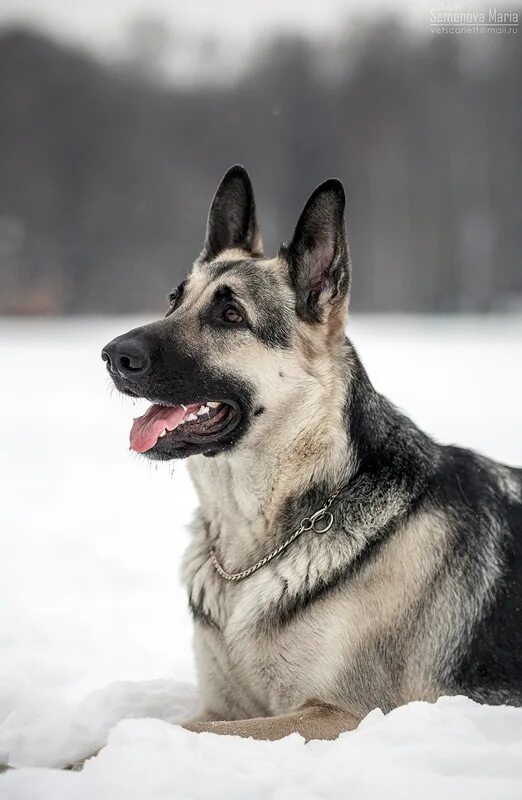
(415, 592)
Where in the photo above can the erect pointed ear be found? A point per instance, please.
(232, 217)
(318, 258)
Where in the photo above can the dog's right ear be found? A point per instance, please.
(318, 257)
(232, 217)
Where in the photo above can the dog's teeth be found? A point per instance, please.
(213, 404)
(190, 418)
(183, 407)
(203, 410)
(163, 434)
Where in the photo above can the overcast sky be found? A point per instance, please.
(103, 26)
(100, 22)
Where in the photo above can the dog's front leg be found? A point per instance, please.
(313, 721)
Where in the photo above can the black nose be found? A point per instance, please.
(127, 357)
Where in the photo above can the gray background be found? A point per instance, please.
(116, 125)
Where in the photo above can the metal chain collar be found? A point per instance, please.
(320, 522)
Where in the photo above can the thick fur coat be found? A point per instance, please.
(416, 589)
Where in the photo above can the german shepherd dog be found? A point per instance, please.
(340, 560)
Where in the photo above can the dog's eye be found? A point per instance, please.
(174, 298)
(231, 314)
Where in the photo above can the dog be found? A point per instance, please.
(340, 560)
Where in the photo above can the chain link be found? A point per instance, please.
(307, 524)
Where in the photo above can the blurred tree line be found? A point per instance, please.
(106, 174)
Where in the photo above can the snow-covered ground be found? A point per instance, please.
(93, 623)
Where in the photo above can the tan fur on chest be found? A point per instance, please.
(331, 650)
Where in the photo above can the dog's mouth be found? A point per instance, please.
(175, 426)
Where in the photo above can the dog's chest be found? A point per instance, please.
(229, 651)
(231, 607)
(270, 669)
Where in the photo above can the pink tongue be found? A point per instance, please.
(146, 429)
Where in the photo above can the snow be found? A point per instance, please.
(94, 630)
(455, 749)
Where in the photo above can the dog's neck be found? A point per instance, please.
(356, 440)
(242, 493)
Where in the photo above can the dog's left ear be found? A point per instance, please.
(318, 257)
(232, 217)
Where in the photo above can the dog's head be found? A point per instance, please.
(245, 338)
